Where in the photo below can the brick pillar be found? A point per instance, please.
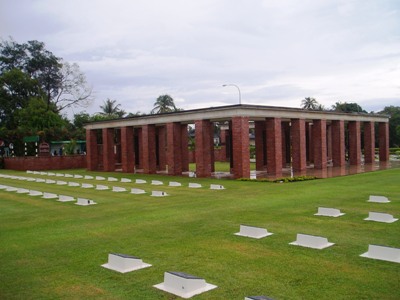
(354, 143)
(338, 143)
(108, 150)
(204, 148)
(91, 150)
(383, 141)
(241, 147)
(369, 142)
(161, 149)
(260, 143)
(319, 144)
(127, 150)
(149, 149)
(298, 136)
(185, 148)
(223, 137)
(174, 149)
(274, 146)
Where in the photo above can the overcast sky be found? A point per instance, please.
(277, 51)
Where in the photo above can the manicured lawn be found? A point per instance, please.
(53, 250)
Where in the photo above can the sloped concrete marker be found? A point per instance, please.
(124, 263)
(100, 178)
(253, 232)
(88, 177)
(112, 179)
(194, 185)
(61, 182)
(382, 253)
(22, 191)
(60, 175)
(40, 180)
(101, 187)
(378, 199)
(78, 176)
(64, 198)
(216, 187)
(68, 175)
(158, 194)
(311, 241)
(31, 179)
(49, 196)
(29, 172)
(3, 187)
(43, 173)
(74, 184)
(50, 181)
(126, 180)
(118, 189)
(380, 217)
(184, 285)
(87, 185)
(140, 181)
(35, 193)
(156, 182)
(257, 298)
(11, 189)
(36, 172)
(51, 174)
(137, 191)
(329, 212)
(174, 183)
(84, 202)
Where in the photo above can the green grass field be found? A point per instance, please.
(53, 250)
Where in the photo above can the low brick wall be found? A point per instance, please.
(45, 162)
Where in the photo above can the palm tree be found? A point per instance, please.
(309, 103)
(111, 109)
(164, 104)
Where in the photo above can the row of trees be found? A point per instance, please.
(310, 103)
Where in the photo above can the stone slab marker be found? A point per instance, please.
(216, 187)
(311, 241)
(137, 191)
(329, 212)
(382, 253)
(85, 202)
(257, 298)
(184, 285)
(124, 263)
(378, 199)
(380, 217)
(253, 232)
(158, 194)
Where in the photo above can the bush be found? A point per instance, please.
(294, 179)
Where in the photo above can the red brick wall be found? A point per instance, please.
(45, 162)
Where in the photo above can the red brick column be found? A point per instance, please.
(298, 135)
(274, 146)
(149, 149)
(241, 147)
(259, 128)
(369, 142)
(319, 144)
(108, 150)
(174, 149)
(354, 143)
(223, 138)
(91, 150)
(383, 141)
(204, 148)
(185, 147)
(162, 149)
(338, 143)
(127, 150)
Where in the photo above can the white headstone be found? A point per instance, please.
(73, 183)
(51, 174)
(311, 241)
(118, 189)
(49, 196)
(101, 187)
(3, 187)
(43, 173)
(195, 185)
(383, 253)
(158, 194)
(137, 191)
(61, 182)
(112, 179)
(61, 175)
(40, 180)
(11, 189)
(378, 199)
(253, 232)
(257, 298)
(174, 183)
(156, 182)
(140, 181)
(64, 198)
(380, 217)
(31, 179)
(50, 181)
(216, 187)
(84, 202)
(88, 177)
(78, 176)
(69, 175)
(87, 185)
(329, 212)
(22, 191)
(100, 178)
(36, 172)
(126, 180)
(184, 285)
(35, 193)
(29, 172)
(124, 263)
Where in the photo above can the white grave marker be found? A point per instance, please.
(22, 191)
(383, 253)
(60, 175)
(140, 181)
(51, 174)
(253, 232)
(88, 177)
(137, 191)
(112, 179)
(11, 189)
(174, 183)
(50, 181)
(64, 198)
(378, 199)
(126, 180)
(74, 184)
(3, 187)
(156, 182)
(311, 241)
(43, 173)
(329, 212)
(257, 298)
(49, 196)
(124, 263)
(101, 187)
(216, 187)
(380, 217)
(194, 185)
(118, 189)
(35, 193)
(100, 178)
(69, 175)
(78, 176)
(61, 182)
(158, 194)
(184, 285)
(87, 185)
(84, 202)
(40, 180)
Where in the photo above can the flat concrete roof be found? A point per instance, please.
(225, 113)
